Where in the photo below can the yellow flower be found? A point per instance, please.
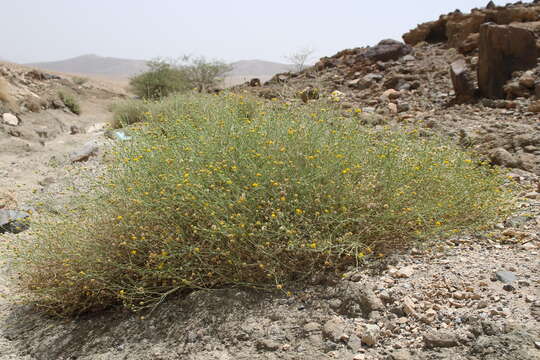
(255, 185)
(119, 217)
(299, 211)
(313, 245)
(345, 171)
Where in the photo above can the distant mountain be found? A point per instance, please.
(95, 65)
(123, 68)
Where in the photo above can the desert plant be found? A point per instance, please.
(166, 77)
(300, 58)
(162, 79)
(215, 190)
(204, 74)
(5, 96)
(130, 112)
(71, 103)
(80, 80)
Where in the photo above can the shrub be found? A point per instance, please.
(161, 80)
(70, 102)
(130, 112)
(79, 80)
(5, 96)
(221, 190)
(168, 77)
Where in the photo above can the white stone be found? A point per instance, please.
(10, 119)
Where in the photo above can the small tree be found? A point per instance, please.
(300, 58)
(163, 78)
(166, 77)
(204, 74)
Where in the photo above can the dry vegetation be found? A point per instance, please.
(221, 190)
(5, 96)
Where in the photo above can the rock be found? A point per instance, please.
(461, 80)
(334, 329)
(402, 355)
(390, 94)
(439, 339)
(89, 149)
(370, 334)
(267, 344)
(506, 277)
(373, 77)
(354, 343)
(534, 107)
(502, 157)
(255, 82)
(387, 50)
(508, 287)
(503, 50)
(405, 272)
(527, 80)
(312, 327)
(408, 306)
(513, 90)
(408, 58)
(13, 221)
(393, 108)
(10, 119)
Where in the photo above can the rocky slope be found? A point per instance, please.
(456, 76)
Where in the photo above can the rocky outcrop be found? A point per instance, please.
(503, 50)
(461, 30)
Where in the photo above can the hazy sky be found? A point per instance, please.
(44, 30)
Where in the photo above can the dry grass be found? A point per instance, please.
(5, 96)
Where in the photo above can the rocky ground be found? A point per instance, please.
(475, 296)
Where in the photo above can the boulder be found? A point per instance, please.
(461, 80)
(387, 50)
(503, 50)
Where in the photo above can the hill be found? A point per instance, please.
(122, 68)
(95, 65)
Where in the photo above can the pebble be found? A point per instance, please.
(505, 276)
(439, 339)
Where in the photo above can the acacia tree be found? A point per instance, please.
(300, 58)
(204, 74)
(168, 76)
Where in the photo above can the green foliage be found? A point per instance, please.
(161, 80)
(220, 190)
(204, 74)
(167, 77)
(70, 101)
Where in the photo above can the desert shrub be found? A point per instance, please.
(162, 79)
(166, 77)
(219, 190)
(130, 112)
(79, 80)
(5, 96)
(70, 101)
